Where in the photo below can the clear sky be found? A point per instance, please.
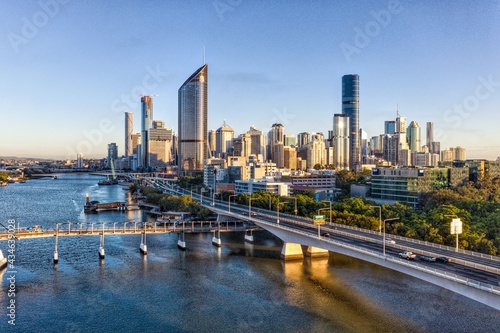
(69, 69)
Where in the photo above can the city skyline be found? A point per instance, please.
(286, 69)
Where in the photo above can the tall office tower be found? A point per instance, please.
(315, 153)
(363, 142)
(79, 161)
(136, 140)
(435, 147)
(390, 127)
(413, 137)
(212, 142)
(429, 134)
(350, 107)
(193, 119)
(389, 144)
(290, 140)
(146, 122)
(303, 139)
(258, 145)
(160, 144)
(275, 137)
(460, 153)
(290, 158)
(224, 140)
(112, 154)
(242, 145)
(129, 127)
(341, 131)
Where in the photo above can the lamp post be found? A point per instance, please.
(229, 200)
(386, 220)
(201, 194)
(330, 209)
(213, 199)
(455, 228)
(278, 211)
(379, 218)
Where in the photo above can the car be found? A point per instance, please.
(444, 260)
(390, 241)
(325, 234)
(407, 255)
(427, 258)
(254, 214)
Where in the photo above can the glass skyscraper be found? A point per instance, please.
(146, 122)
(350, 107)
(193, 122)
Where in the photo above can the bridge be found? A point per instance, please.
(471, 274)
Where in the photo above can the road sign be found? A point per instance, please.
(319, 219)
(456, 226)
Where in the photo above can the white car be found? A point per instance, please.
(390, 241)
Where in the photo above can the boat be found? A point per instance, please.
(108, 181)
(55, 177)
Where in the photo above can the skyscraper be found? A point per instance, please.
(193, 119)
(429, 134)
(350, 107)
(129, 127)
(413, 135)
(341, 130)
(146, 122)
(258, 140)
(224, 140)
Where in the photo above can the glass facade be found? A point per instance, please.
(350, 107)
(341, 130)
(193, 122)
(146, 122)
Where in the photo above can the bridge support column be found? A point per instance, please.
(181, 243)
(143, 247)
(101, 244)
(216, 240)
(248, 238)
(56, 255)
(316, 252)
(291, 251)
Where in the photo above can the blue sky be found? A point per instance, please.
(68, 69)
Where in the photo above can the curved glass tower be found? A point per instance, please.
(193, 119)
(350, 107)
(146, 121)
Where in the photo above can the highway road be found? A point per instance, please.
(472, 266)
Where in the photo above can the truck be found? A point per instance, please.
(407, 255)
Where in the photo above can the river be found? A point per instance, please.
(239, 287)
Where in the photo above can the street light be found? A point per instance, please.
(387, 220)
(201, 194)
(213, 199)
(330, 209)
(278, 210)
(379, 218)
(229, 200)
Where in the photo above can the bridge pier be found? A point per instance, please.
(291, 251)
(216, 240)
(143, 247)
(56, 255)
(181, 243)
(248, 238)
(316, 252)
(101, 244)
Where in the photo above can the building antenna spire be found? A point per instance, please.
(397, 110)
